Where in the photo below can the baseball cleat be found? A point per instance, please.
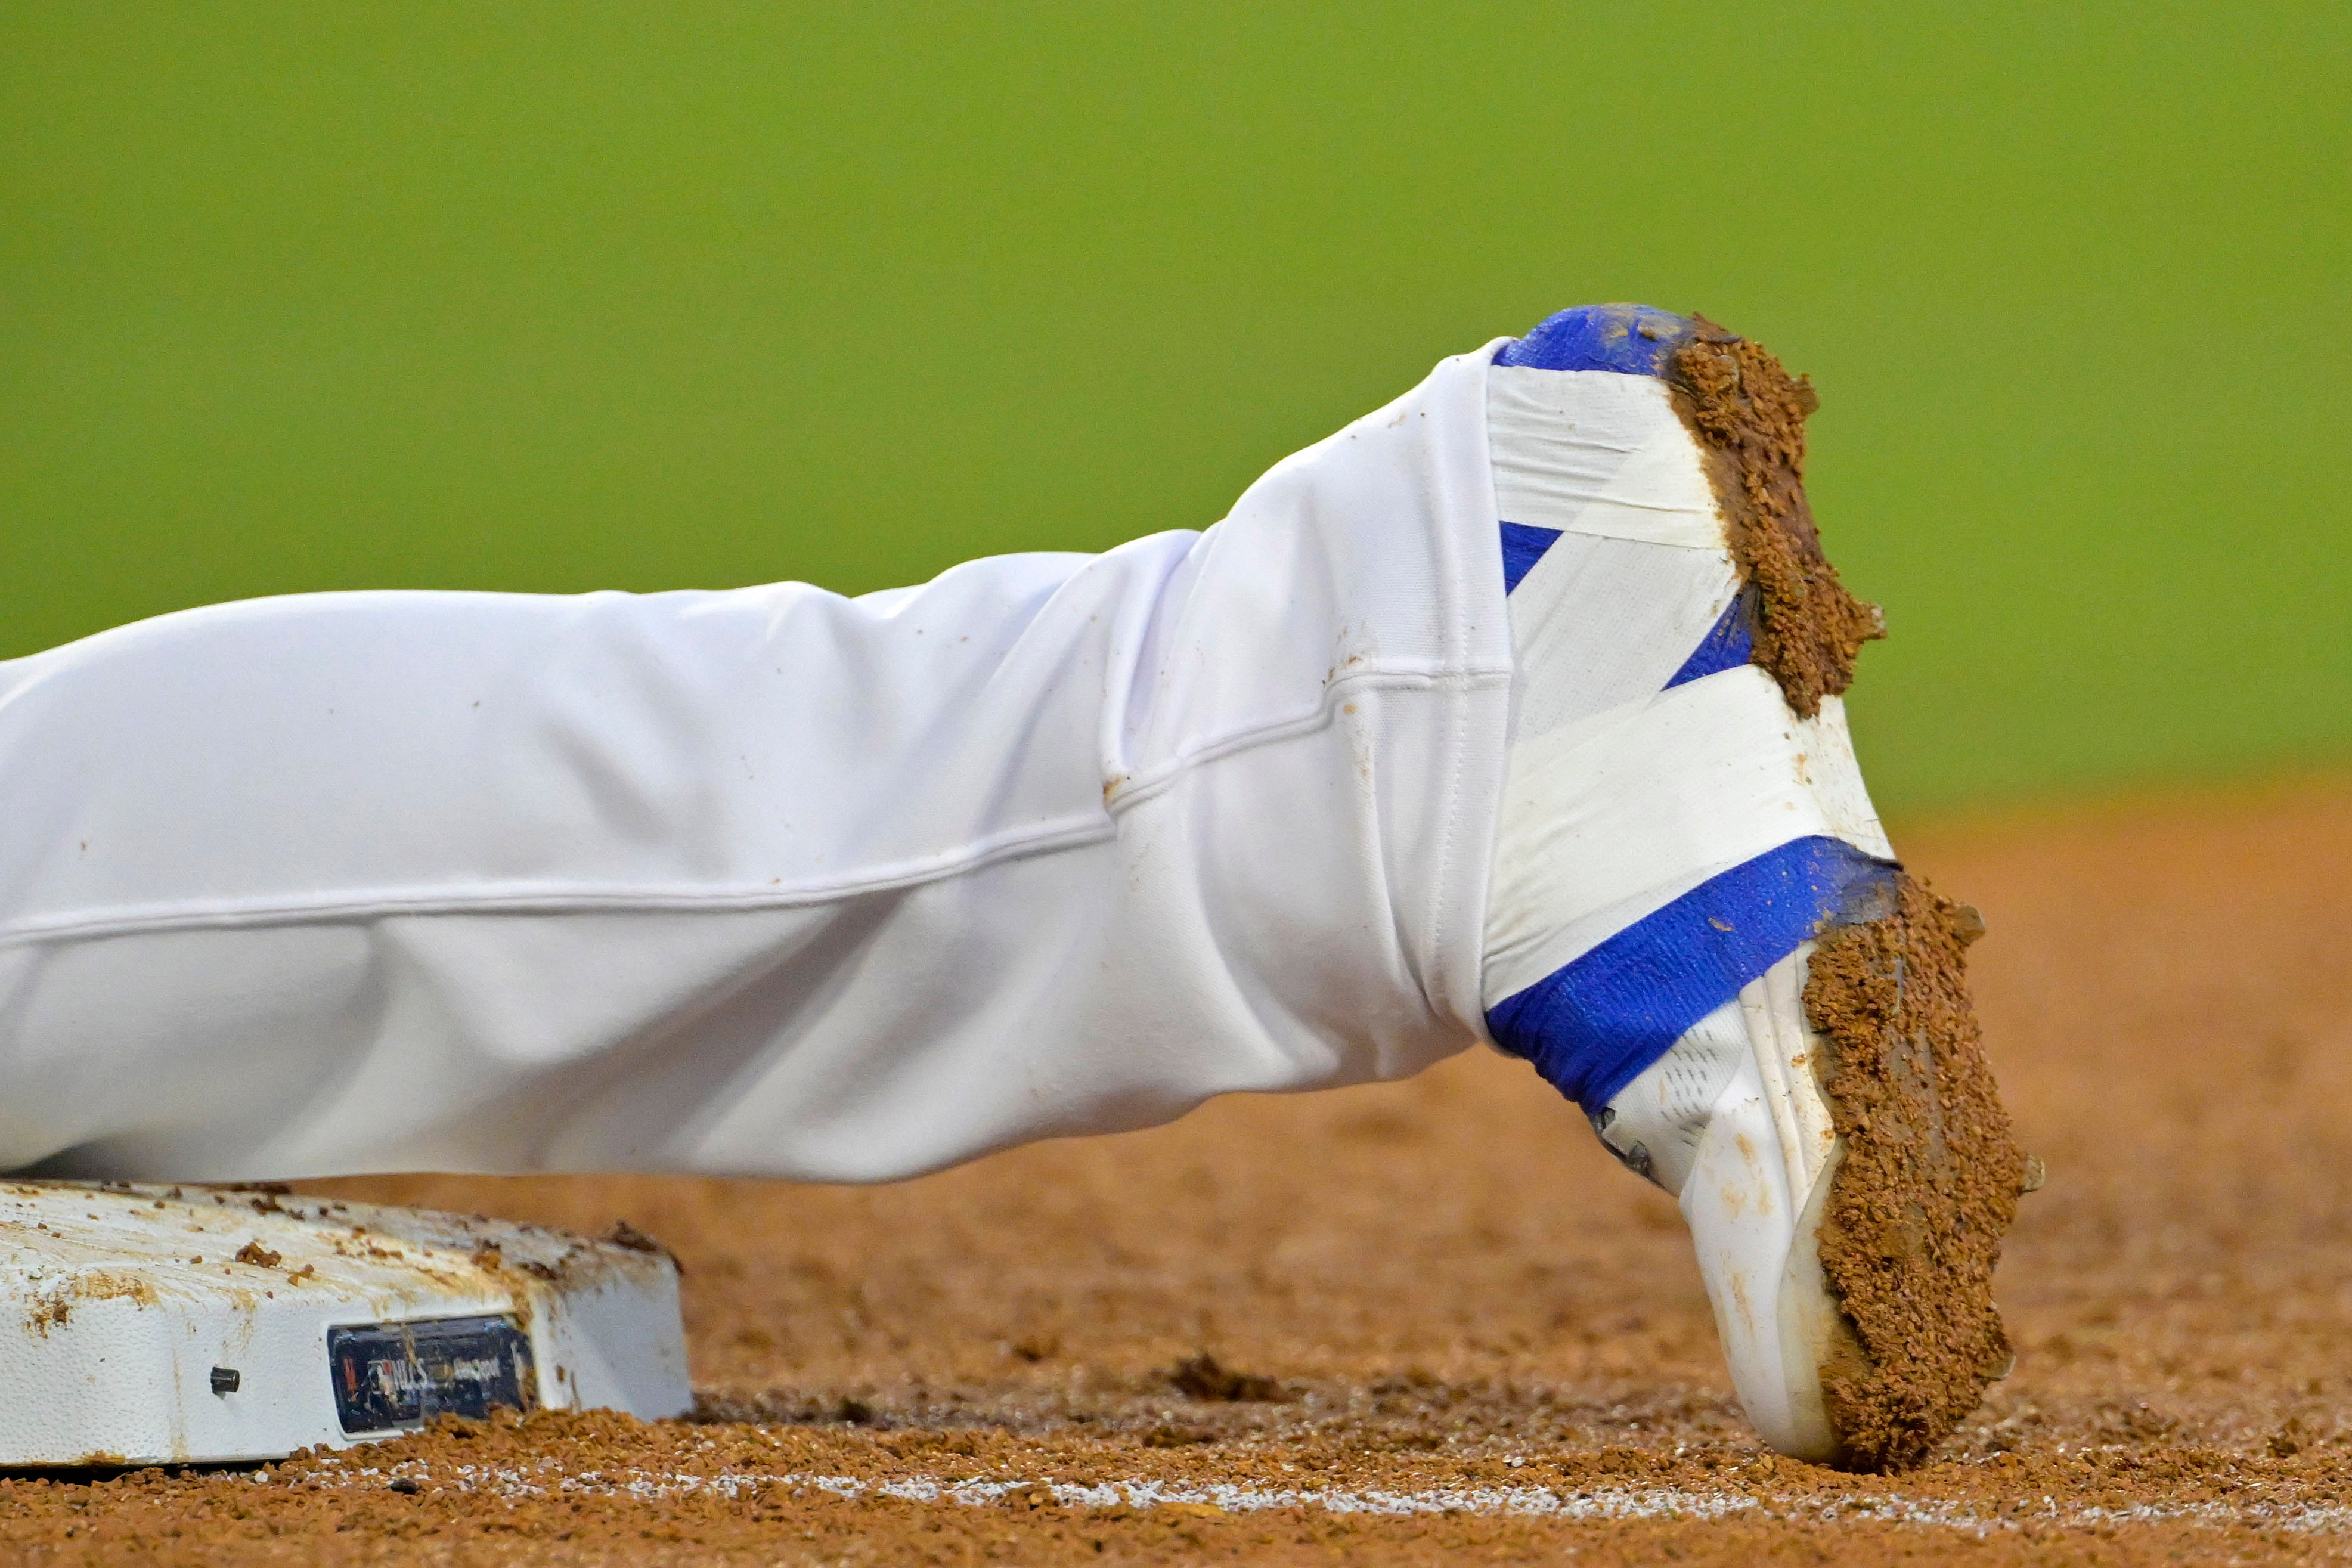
(1697, 929)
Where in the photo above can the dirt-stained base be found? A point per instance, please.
(1925, 1185)
(1465, 1305)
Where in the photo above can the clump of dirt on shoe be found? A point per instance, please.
(1927, 1183)
(1748, 415)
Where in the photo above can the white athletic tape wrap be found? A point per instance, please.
(1608, 820)
(1602, 621)
(1590, 451)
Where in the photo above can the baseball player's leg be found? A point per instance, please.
(766, 881)
(1510, 708)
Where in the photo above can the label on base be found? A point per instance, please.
(399, 1376)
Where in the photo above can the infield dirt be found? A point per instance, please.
(1442, 1296)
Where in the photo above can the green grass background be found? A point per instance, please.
(566, 296)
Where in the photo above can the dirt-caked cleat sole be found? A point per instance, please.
(1923, 1182)
(1779, 1031)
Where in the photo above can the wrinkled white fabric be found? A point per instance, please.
(768, 881)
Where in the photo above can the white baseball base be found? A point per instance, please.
(186, 1324)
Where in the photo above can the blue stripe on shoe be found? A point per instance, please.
(1594, 1024)
(1730, 644)
(1524, 545)
(1634, 340)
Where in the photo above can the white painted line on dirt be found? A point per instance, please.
(549, 1477)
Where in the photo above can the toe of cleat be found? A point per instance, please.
(1633, 339)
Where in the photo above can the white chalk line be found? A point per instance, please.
(549, 1479)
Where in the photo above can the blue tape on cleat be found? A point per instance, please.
(1592, 1025)
(1730, 644)
(1635, 340)
(1524, 545)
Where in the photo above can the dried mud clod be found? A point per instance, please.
(1202, 1376)
(1748, 415)
(1925, 1187)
